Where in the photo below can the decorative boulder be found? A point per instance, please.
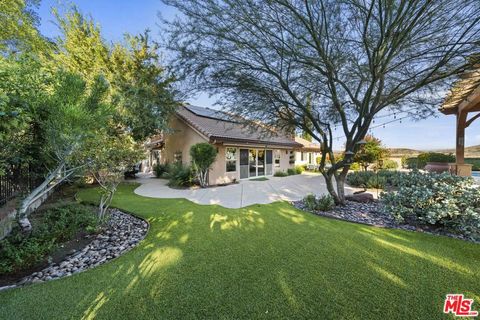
(363, 197)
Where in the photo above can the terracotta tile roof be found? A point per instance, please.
(308, 145)
(224, 127)
(462, 88)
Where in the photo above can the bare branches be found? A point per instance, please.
(350, 58)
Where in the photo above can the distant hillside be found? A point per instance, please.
(470, 152)
(400, 152)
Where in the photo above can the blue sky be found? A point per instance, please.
(119, 16)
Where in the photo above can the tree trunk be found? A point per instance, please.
(340, 179)
(338, 194)
(51, 181)
(330, 187)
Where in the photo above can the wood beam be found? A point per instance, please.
(471, 102)
(469, 121)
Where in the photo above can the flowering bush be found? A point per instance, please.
(436, 199)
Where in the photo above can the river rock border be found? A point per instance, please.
(121, 233)
(373, 214)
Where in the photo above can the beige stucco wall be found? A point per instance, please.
(180, 139)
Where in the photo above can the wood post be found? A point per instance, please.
(460, 140)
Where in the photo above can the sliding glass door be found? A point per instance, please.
(261, 162)
(252, 162)
(244, 167)
(255, 162)
(268, 163)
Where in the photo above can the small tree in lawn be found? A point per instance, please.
(370, 152)
(109, 157)
(203, 156)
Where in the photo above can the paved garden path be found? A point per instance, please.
(239, 195)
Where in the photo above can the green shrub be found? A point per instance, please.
(392, 178)
(291, 172)
(437, 199)
(280, 174)
(299, 169)
(410, 163)
(370, 179)
(21, 251)
(161, 170)
(390, 164)
(355, 166)
(310, 201)
(180, 176)
(475, 162)
(323, 203)
(359, 178)
(423, 158)
(376, 182)
(203, 156)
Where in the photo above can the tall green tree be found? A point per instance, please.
(19, 27)
(370, 152)
(140, 87)
(23, 87)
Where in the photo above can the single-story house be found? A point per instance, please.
(308, 154)
(244, 151)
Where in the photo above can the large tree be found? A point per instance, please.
(350, 58)
(140, 87)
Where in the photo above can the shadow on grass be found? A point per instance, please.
(263, 261)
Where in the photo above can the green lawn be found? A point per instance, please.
(264, 261)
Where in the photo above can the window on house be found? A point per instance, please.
(177, 157)
(302, 157)
(231, 159)
(277, 158)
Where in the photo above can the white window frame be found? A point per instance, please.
(235, 159)
(277, 155)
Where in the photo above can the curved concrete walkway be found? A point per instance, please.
(243, 194)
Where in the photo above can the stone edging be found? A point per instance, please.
(122, 232)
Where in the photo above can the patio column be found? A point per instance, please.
(460, 139)
(460, 168)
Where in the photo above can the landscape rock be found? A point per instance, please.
(364, 197)
(373, 213)
(121, 233)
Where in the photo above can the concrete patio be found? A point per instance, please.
(242, 194)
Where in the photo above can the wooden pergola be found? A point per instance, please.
(463, 101)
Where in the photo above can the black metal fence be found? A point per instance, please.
(17, 182)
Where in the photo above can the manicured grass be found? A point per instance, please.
(264, 261)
